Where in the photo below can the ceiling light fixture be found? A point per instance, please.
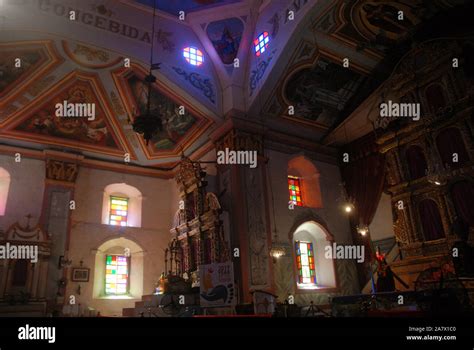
(148, 124)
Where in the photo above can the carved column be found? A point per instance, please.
(246, 200)
(61, 174)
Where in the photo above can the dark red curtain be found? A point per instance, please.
(430, 220)
(450, 141)
(364, 177)
(462, 194)
(416, 162)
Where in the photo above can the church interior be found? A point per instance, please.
(286, 158)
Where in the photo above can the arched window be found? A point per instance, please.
(312, 269)
(416, 162)
(435, 97)
(4, 188)
(451, 148)
(116, 274)
(118, 270)
(430, 220)
(122, 205)
(303, 183)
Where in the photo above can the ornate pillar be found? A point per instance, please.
(61, 174)
(42, 281)
(246, 200)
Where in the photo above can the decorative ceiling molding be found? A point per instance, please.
(37, 59)
(306, 57)
(39, 124)
(89, 57)
(180, 131)
(91, 163)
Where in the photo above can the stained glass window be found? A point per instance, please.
(294, 187)
(118, 211)
(116, 274)
(261, 43)
(193, 56)
(305, 262)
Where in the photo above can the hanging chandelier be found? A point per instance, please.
(149, 123)
(277, 250)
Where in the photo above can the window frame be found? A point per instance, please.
(260, 46)
(193, 56)
(312, 269)
(112, 197)
(127, 289)
(300, 190)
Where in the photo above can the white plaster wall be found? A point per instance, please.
(156, 194)
(382, 224)
(332, 215)
(88, 233)
(330, 179)
(26, 190)
(174, 199)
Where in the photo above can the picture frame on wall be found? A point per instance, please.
(80, 274)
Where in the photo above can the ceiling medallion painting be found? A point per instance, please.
(319, 93)
(22, 63)
(41, 123)
(225, 36)
(181, 124)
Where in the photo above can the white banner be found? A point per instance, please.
(217, 285)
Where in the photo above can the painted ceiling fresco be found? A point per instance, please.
(175, 125)
(41, 123)
(36, 58)
(9, 74)
(225, 36)
(181, 124)
(174, 6)
(320, 93)
(374, 25)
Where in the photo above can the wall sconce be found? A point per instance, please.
(363, 230)
(63, 262)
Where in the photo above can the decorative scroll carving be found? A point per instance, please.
(256, 227)
(400, 227)
(238, 140)
(199, 82)
(198, 236)
(212, 203)
(61, 171)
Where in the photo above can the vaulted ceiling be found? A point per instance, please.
(83, 60)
